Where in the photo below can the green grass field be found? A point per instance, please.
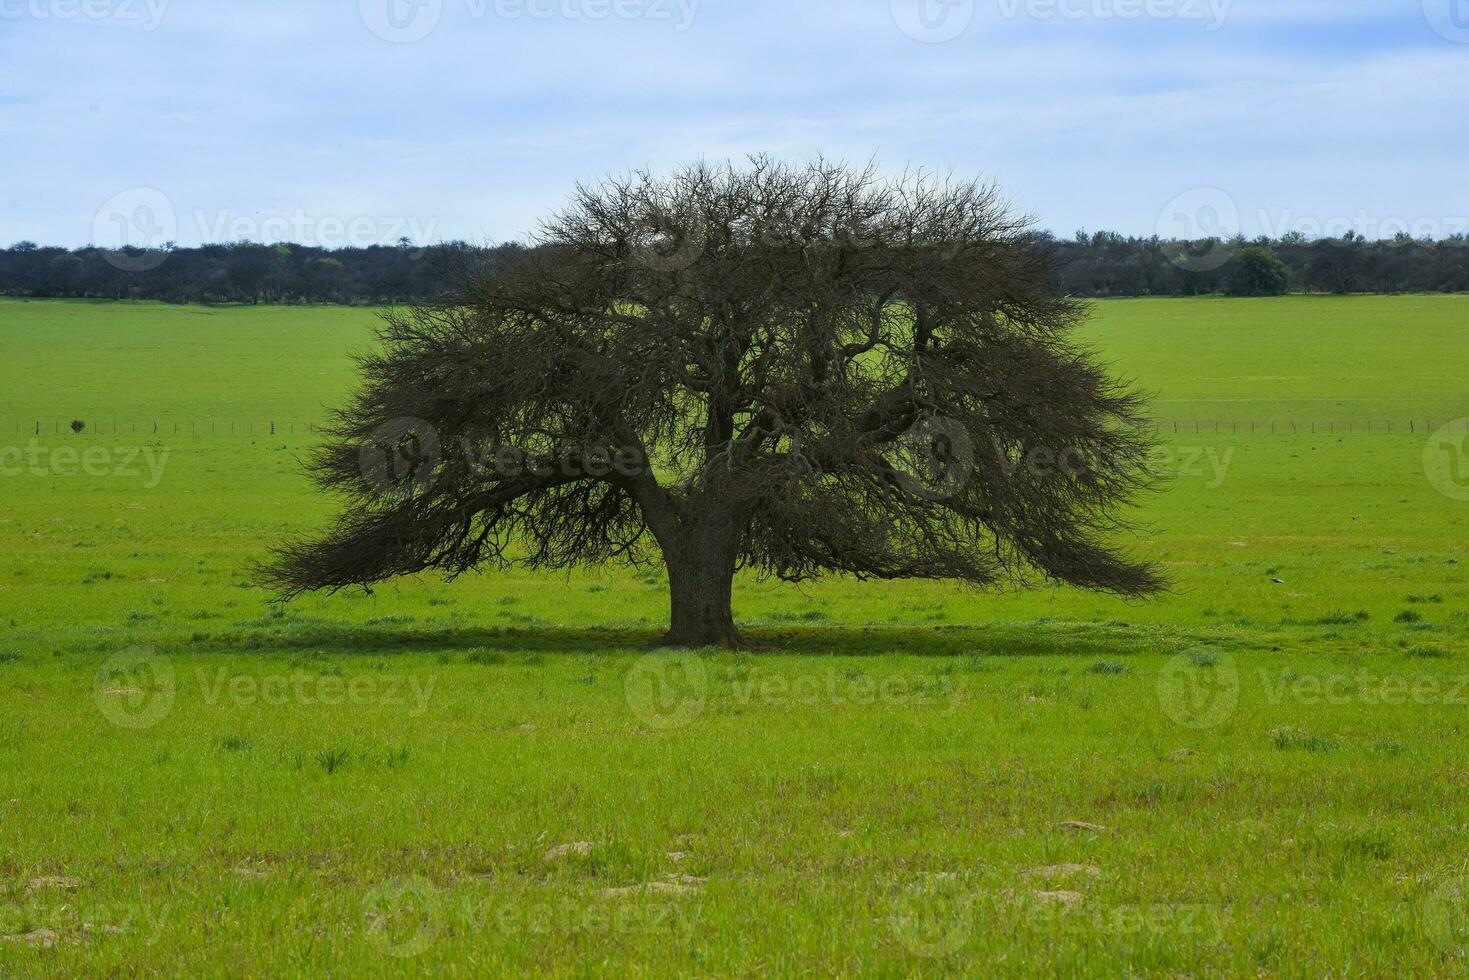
(1260, 772)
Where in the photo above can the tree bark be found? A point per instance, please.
(700, 586)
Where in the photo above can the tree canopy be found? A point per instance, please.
(794, 370)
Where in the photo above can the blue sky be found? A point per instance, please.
(353, 121)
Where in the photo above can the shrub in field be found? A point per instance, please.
(790, 369)
(1257, 272)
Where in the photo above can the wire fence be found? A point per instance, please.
(1162, 426)
(160, 427)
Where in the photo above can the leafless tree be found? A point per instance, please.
(788, 369)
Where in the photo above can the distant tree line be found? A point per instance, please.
(1099, 264)
(243, 272)
(1108, 264)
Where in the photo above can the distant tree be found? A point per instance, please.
(1257, 272)
(1341, 265)
(793, 370)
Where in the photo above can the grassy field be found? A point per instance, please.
(1261, 772)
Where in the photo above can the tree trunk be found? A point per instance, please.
(700, 583)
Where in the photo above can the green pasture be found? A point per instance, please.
(1260, 772)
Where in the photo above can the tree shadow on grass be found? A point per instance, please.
(1039, 638)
